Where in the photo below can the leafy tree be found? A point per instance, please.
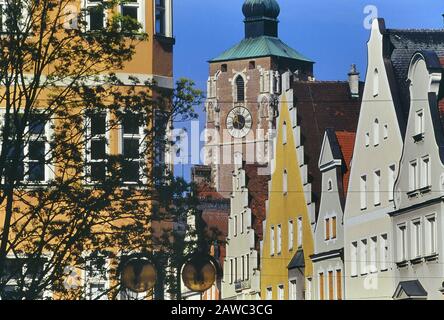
(69, 210)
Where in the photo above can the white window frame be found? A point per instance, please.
(376, 133)
(413, 175)
(431, 234)
(86, 6)
(375, 83)
(363, 244)
(391, 182)
(377, 187)
(367, 139)
(235, 224)
(419, 122)
(402, 242)
(96, 280)
(290, 235)
(279, 239)
(292, 290)
(140, 5)
(269, 294)
(373, 254)
(49, 169)
(426, 172)
(354, 258)
(90, 138)
(385, 131)
(284, 133)
(272, 241)
(300, 232)
(363, 192)
(142, 148)
(416, 238)
(281, 294)
(384, 254)
(285, 182)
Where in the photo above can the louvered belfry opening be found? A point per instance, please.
(240, 89)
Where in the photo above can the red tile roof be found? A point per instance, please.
(257, 184)
(321, 105)
(346, 142)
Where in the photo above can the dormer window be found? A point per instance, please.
(240, 89)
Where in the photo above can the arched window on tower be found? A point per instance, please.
(240, 89)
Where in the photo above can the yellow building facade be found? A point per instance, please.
(152, 61)
(287, 234)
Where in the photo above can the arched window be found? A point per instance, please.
(240, 89)
(376, 132)
(285, 182)
(375, 83)
(284, 133)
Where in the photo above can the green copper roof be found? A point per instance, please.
(263, 46)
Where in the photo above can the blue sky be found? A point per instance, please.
(330, 32)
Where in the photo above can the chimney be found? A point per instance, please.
(353, 81)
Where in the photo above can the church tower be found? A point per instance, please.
(242, 92)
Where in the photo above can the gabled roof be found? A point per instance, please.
(412, 289)
(264, 46)
(321, 105)
(399, 48)
(346, 142)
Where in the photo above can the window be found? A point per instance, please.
(284, 133)
(321, 286)
(402, 243)
(333, 228)
(426, 174)
(236, 274)
(384, 252)
(22, 15)
(377, 187)
(327, 229)
(96, 277)
(290, 235)
(280, 292)
(96, 146)
(391, 182)
(430, 235)
(2, 15)
(133, 9)
(160, 17)
(231, 271)
(242, 222)
(419, 122)
(252, 65)
(240, 89)
(413, 175)
(363, 192)
(272, 240)
(300, 232)
(385, 131)
(363, 256)
(279, 239)
(339, 284)
(375, 83)
(416, 238)
(95, 15)
(376, 133)
(132, 143)
(292, 290)
(367, 139)
(243, 267)
(330, 286)
(285, 182)
(373, 252)
(269, 293)
(354, 259)
(235, 225)
(247, 267)
(330, 185)
(224, 67)
(28, 162)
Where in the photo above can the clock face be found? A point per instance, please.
(239, 122)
